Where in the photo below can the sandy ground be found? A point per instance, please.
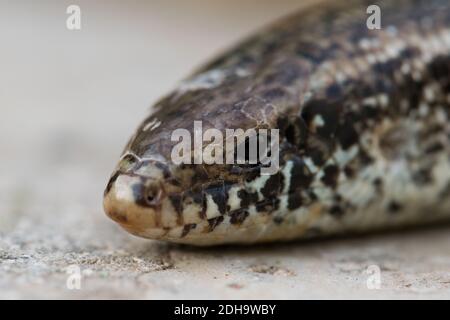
(70, 100)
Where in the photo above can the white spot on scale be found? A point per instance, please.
(436, 44)
(417, 76)
(282, 206)
(240, 72)
(258, 184)
(212, 210)
(152, 125)
(391, 30)
(318, 121)
(324, 194)
(383, 99)
(429, 93)
(383, 58)
(441, 116)
(371, 59)
(234, 201)
(423, 109)
(287, 176)
(364, 44)
(441, 172)
(371, 101)
(405, 68)
(206, 80)
(342, 157)
(361, 191)
(360, 64)
(310, 165)
(190, 213)
(340, 77)
(445, 36)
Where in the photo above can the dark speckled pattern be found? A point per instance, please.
(355, 107)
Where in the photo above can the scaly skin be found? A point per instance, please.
(364, 132)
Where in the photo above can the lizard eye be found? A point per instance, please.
(153, 195)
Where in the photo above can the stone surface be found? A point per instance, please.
(69, 102)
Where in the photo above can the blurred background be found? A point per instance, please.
(69, 100)
(76, 96)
